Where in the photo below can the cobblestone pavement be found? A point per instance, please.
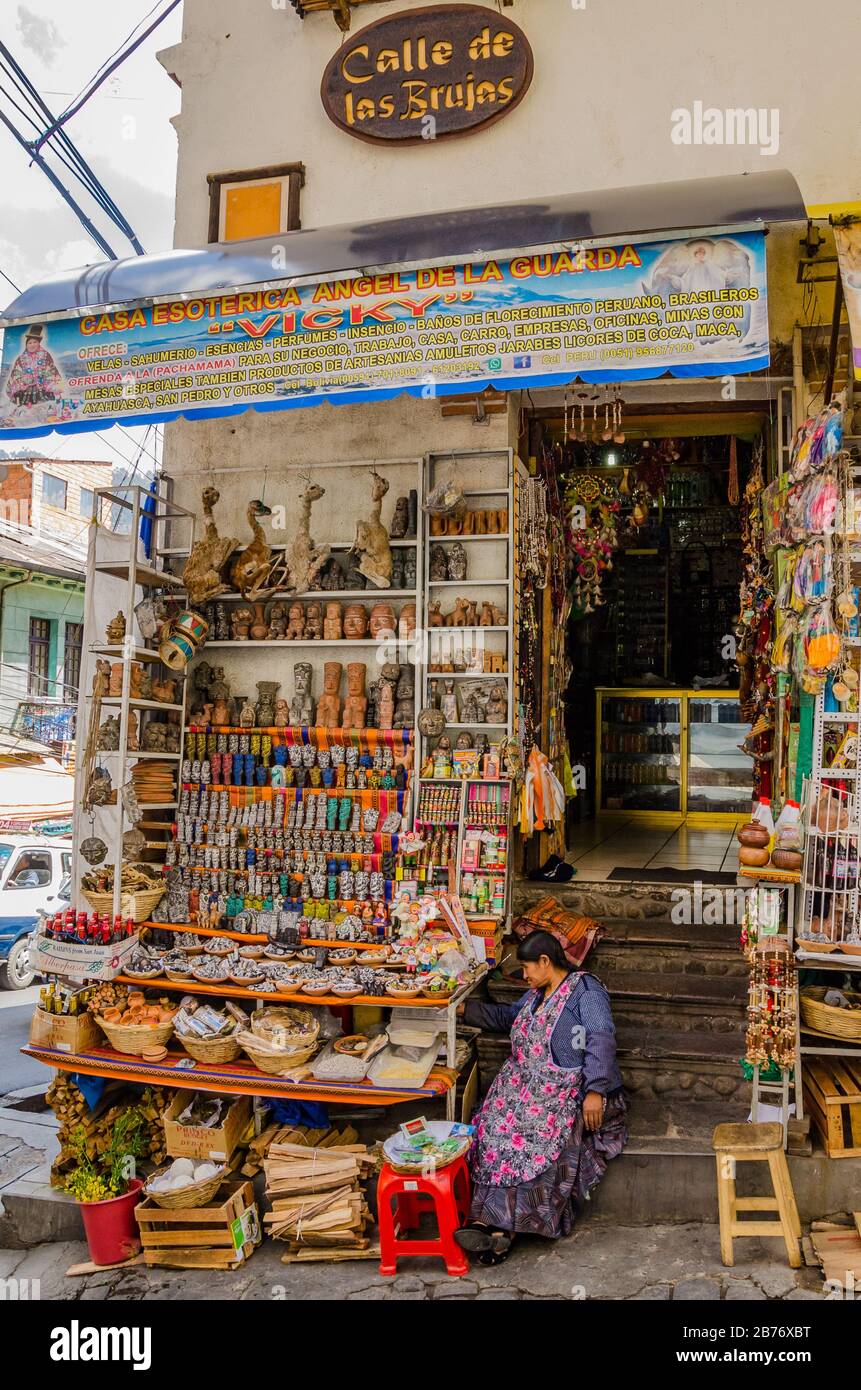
(599, 1261)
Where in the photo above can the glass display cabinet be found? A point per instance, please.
(672, 752)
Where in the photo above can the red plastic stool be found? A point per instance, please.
(446, 1192)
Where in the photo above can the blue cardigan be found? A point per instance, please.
(587, 1008)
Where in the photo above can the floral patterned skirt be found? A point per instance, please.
(548, 1204)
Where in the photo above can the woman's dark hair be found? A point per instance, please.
(541, 943)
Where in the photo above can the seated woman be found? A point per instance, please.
(555, 1114)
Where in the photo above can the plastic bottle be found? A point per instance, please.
(762, 815)
(787, 830)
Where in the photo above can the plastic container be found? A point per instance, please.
(110, 1226)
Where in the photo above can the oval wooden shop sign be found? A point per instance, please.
(424, 75)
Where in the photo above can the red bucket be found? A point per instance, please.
(110, 1226)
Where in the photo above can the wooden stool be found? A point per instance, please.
(755, 1144)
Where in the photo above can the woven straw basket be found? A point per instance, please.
(132, 1038)
(211, 1049)
(837, 1023)
(196, 1195)
(138, 905)
(279, 1063)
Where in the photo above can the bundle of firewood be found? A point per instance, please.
(258, 1147)
(73, 1113)
(318, 1203)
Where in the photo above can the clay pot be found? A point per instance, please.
(788, 859)
(753, 835)
(752, 858)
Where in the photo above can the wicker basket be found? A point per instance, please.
(211, 1050)
(251, 952)
(138, 904)
(132, 1038)
(824, 1018)
(403, 993)
(197, 1194)
(279, 1063)
(178, 977)
(247, 981)
(216, 947)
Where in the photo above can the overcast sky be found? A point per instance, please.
(125, 135)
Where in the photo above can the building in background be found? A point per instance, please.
(45, 509)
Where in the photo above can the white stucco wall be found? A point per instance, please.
(598, 114)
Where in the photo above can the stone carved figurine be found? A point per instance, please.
(302, 704)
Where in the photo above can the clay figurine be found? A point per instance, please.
(405, 708)
(314, 621)
(496, 709)
(296, 623)
(355, 621)
(409, 569)
(356, 703)
(302, 705)
(397, 569)
(434, 614)
(241, 621)
(383, 622)
(116, 630)
(333, 627)
(407, 622)
(247, 715)
(331, 575)
(201, 574)
(465, 740)
(266, 693)
(372, 539)
(304, 558)
(473, 712)
(277, 622)
(449, 703)
(400, 519)
(459, 614)
(329, 703)
(282, 714)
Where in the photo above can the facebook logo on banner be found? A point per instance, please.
(521, 362)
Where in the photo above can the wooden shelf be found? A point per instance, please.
(145, 575)
(279, 996)
(316, 595)
(138, 704)
(237, 1078)
(284, 643)
(249, 939)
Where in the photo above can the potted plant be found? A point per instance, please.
(107, 1190)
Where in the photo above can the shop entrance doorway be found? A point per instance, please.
(656, 737)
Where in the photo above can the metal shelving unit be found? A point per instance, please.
(120, 582)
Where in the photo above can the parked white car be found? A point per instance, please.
(32, 869)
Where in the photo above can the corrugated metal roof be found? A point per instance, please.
(433, 237)
(28, 552)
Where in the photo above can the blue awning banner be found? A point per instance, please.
(694, 305)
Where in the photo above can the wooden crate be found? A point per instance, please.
(221, 1235)
(832, 1095)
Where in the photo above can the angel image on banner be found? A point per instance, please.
(704, 263)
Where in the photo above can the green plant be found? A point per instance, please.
(96, 1179)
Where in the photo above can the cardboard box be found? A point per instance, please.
(65, 1032)
(193, 1141)
(80, 960)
